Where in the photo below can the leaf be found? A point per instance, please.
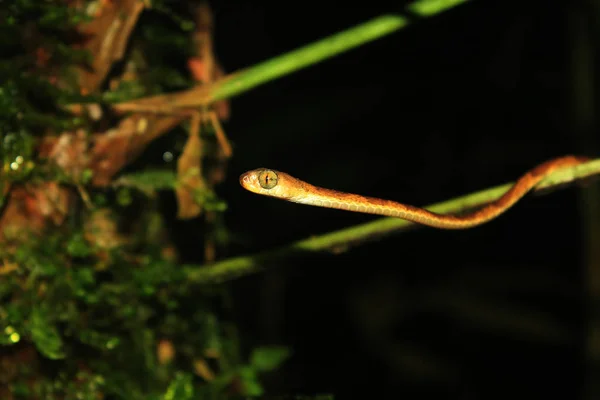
(69, 152)
(268, 358)
(252, 386)
(45, 335)
(119, 18)
(117, 147)
(78, 246)
(99, 340)
(148, 181)
(209, 200)
(102, 230)
(190, 177)
(180, 388)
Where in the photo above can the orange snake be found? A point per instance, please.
(277, 184)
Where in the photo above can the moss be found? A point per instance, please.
(96, 305)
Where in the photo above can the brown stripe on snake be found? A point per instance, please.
(269, 182)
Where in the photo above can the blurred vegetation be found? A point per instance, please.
(93, 301)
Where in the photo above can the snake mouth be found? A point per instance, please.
(248, 180)
(245, 180)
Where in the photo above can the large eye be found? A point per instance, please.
(267, 179)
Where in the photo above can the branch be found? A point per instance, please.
(326, 48)
(276, 67)
(341, 240)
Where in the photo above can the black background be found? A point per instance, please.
(455, 103)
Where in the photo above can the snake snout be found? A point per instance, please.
(244, 179)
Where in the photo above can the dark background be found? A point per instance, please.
(452, 104)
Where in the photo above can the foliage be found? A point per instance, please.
(90, 309)
(110, 318)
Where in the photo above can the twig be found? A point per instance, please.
(220, 134)
(341, 240)
(241, 81)
(323, 49)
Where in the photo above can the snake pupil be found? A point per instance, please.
(267, 179)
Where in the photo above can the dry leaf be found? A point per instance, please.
(165, 351)
(101, 230)
(118, 147)
(69, 152)
(202, 369)
(204, 67)
(189, 174)
(107, 35)
(30, 208)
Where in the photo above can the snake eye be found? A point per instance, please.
(267, 179)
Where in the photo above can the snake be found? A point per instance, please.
(273, 183)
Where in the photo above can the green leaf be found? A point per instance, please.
(268, 358)
(45, 335)
(20, 390)
(124, 197)
(125, 91)
(180, 388)
(148, 181)
(87, 176)
(209, 200)
(99, 340)
(78, 246)
(252, 386)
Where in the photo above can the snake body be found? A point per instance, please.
(280, 185)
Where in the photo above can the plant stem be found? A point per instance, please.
(246, 79)
(308, 55)
(323, 49)
(341, 240)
